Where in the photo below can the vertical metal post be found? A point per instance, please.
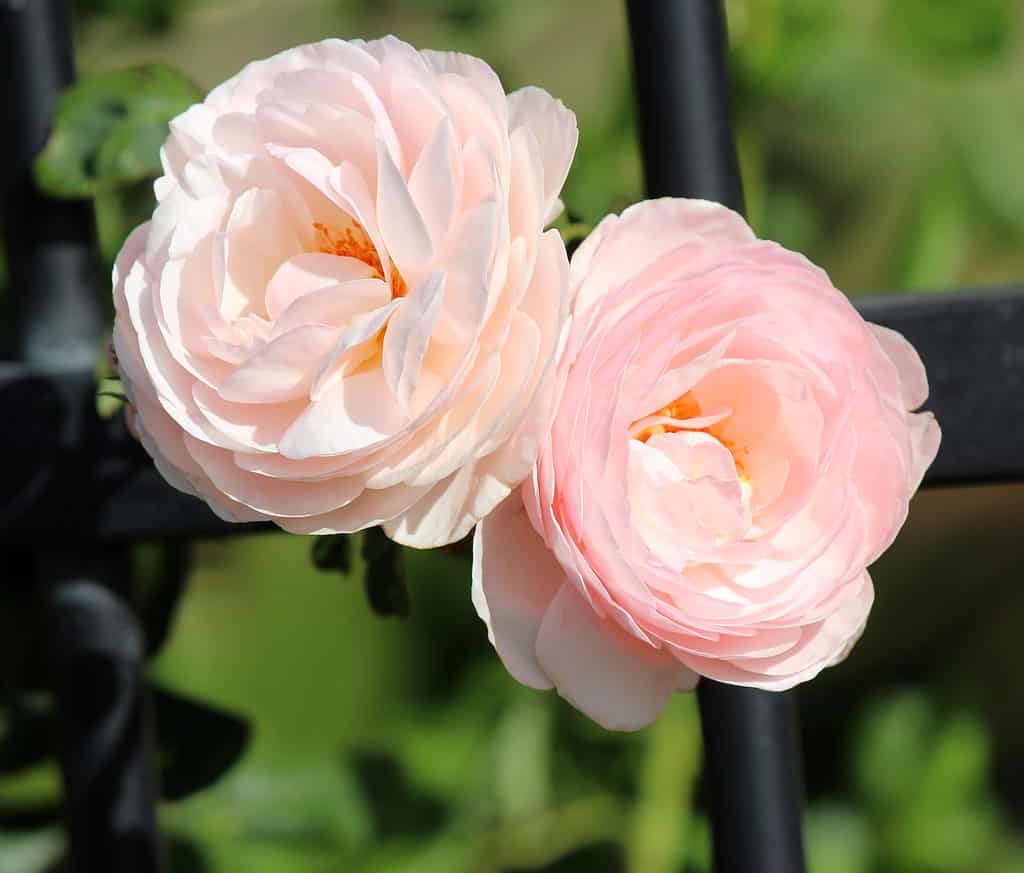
(752, 761)
(94, 642)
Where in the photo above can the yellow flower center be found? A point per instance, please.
(355, 243)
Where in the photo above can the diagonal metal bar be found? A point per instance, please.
(94, 642)
(752, 767)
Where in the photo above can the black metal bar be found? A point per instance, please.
(753, 771)
(972, 345)
(684, 110)
(96, 654)
(751, 757)
(51, 244)
(94, 642)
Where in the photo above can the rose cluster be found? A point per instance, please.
(346, 312)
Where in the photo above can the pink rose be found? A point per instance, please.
(345, 309)
(731, 449)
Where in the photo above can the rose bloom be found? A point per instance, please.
(345, 309)
(731, 449)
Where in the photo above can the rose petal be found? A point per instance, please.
(555, 130)
(515, 578)
(408, 335)
(913, 379)
(617, 680)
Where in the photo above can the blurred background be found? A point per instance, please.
(882, 138)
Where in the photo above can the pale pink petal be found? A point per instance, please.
(821, 645)
(307, 273)
(432, 185)
(466, 262)
(370, 509)
(526, 199)
(913, 379)
(648, 231)
(402, 228)
(335, 305)
(614, 678)
(925, 437)
(554, 127)
(515, 578)
(417, 112)
(282, 370)
(443, 516)
(257, 240)
(362, 330)
(352, 415)
(408, 335)
(478, 72)
(387, 138)
(278, 498)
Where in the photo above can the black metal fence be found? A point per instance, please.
(77, 490)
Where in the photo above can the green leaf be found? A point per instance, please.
(161, 573)
(333, 553)
(398, 808)
(108, 129)
(28, 736)
(385, 576)
(189, 766)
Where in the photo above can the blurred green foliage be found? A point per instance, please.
(875, 135)
(108, 129)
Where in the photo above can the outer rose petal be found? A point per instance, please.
(913, 379)
(515, 578)
(823, 645)
(925, 437)
(647, 231)
(556, 132)
(614, 678)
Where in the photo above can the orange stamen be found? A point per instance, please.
(355, 243)
(687, 407)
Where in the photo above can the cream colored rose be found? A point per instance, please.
(345, 309)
